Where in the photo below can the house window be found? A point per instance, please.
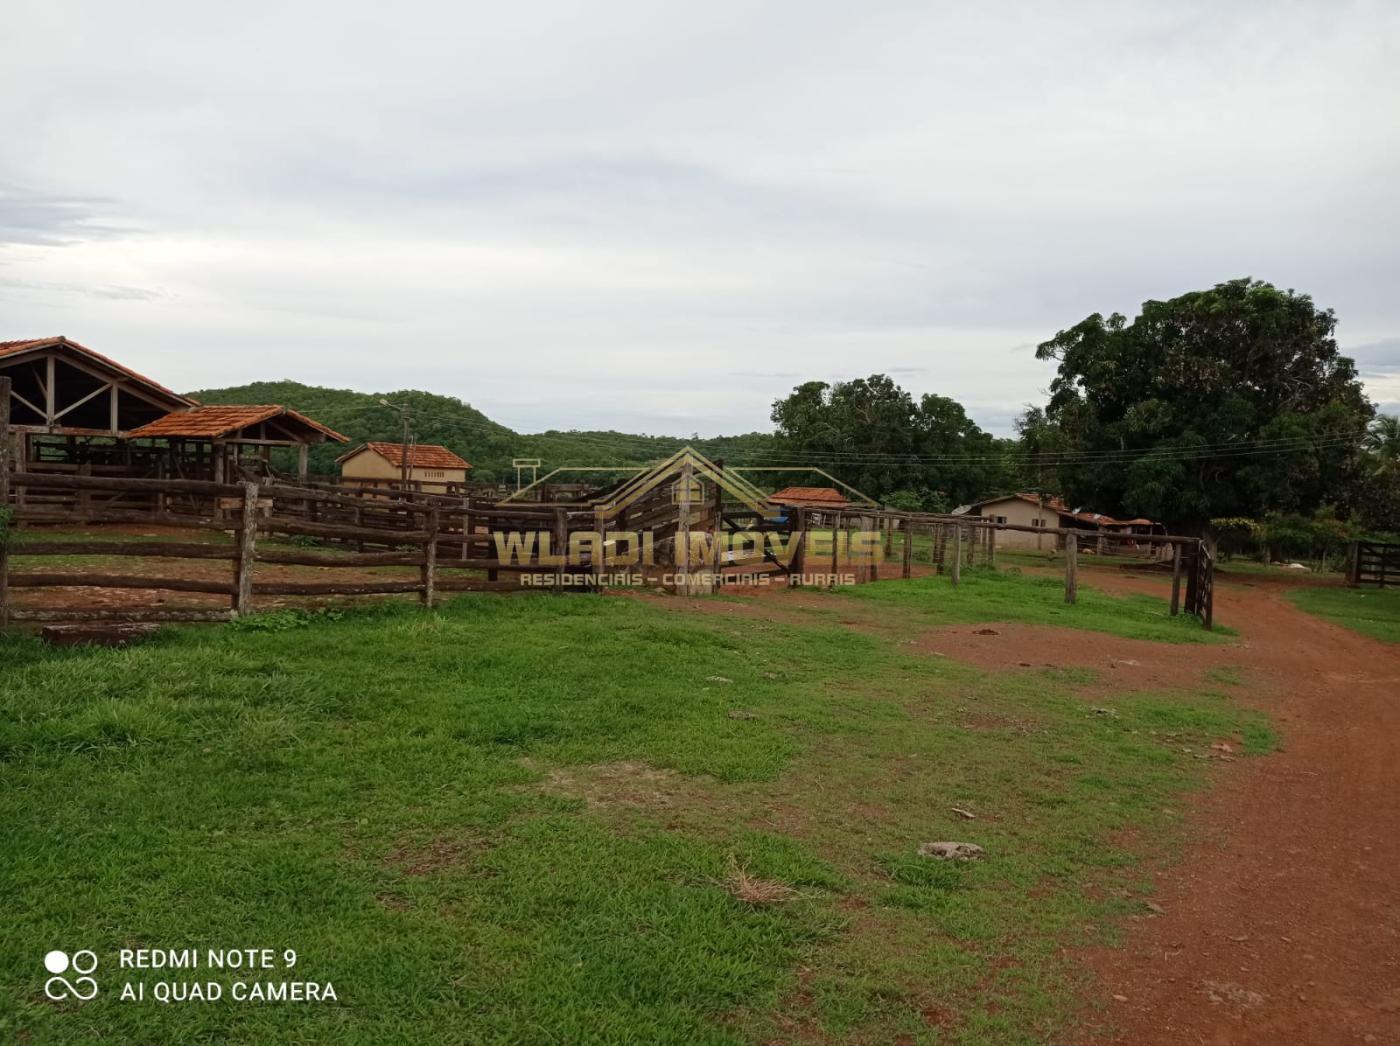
(1037, 522)
(1000, 519)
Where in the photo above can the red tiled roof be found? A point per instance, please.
(216, 421)
(420, 455)
(12, 348)
(809, 495)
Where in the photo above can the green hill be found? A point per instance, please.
(464, 429)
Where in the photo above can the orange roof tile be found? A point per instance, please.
(216, 421)
(420, 455)
(13, 348)
(809, 495)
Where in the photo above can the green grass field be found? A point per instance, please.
(584, 819)
(987, 594)
(1370, 611)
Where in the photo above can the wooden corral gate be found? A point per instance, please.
(1373, 563)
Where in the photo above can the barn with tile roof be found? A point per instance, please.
(73, 409)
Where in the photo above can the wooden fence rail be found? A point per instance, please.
(452, 540)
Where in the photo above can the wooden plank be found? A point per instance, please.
(37, 579)
(24, 614)
(334, 588)
(42, 514)
(146, 549)
(280, 524)
(341, 559)
(1071, 568)
(45, 480)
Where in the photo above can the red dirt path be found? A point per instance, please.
(1280, 923)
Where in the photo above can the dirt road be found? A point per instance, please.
(1281, 922)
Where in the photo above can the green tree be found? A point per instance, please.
(1383, 441)
(1232, 401)
(872, 434)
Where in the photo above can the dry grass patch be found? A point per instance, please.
(752, 890)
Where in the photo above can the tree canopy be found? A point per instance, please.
(872, 434)
(1232, 401)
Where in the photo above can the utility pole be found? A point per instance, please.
(406, 413)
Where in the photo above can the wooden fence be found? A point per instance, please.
(454, 543)
(1373, 563)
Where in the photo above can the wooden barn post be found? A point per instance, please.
(1071, 567)
(433, 521)
(7, 525)
(247, 551)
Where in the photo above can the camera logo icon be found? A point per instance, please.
(81, 987)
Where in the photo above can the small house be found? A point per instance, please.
(426, 466)
(1040, 511)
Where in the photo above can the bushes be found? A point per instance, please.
(1320, 539)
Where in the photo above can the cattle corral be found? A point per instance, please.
(687, 526)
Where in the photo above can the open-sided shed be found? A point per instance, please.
(210, 440)
(77, 403)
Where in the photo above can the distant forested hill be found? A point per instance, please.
(470, 433)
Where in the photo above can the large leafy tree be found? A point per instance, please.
(872, 434)
(1232, 401)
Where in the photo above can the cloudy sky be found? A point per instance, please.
(659, 216)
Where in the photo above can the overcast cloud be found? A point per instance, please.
(661, 216)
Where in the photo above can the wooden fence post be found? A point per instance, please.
(798, 564)
(1176, 579)
(466, 526)
(836, 524)
(561, 546)
(600, 559)
(1190, 567)
(907, 567)
(992, 547)
(1071, 568)
(6, 523)
(433, 521)
(957, 555)
(247, 551)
